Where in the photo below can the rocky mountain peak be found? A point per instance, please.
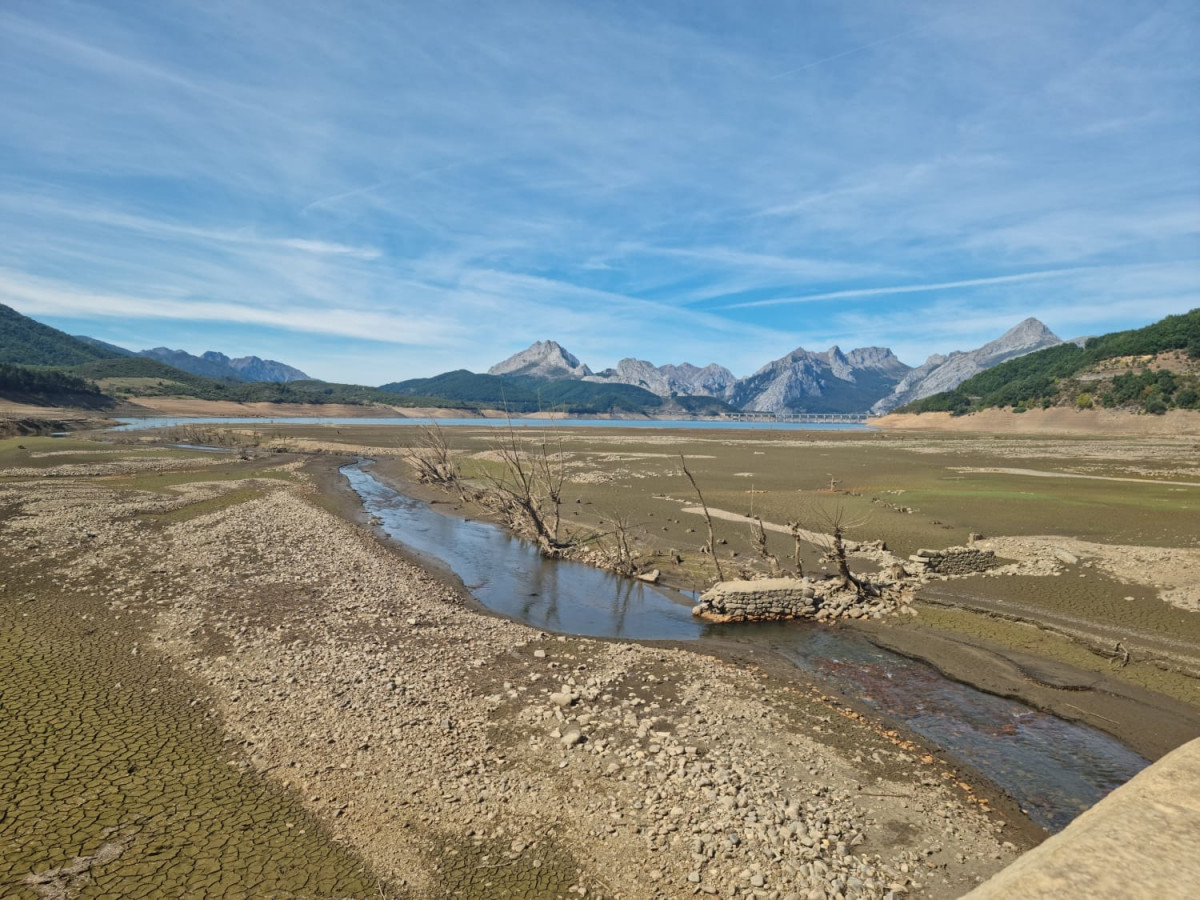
(214, 364)
(881, 359)
(945, 373)
(685, 379)
(542, 359)
(832, 381)
(1029, 331)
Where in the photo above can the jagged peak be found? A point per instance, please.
(542, 359)
(1031, 329)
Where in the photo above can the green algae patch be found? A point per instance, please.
(115, 782)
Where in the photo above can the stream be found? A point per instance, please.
(1053, 768)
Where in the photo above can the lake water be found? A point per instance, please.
(142, 423)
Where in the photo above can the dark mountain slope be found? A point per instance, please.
(28, 343)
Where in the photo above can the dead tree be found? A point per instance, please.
(527, 490)
(797, 531)
(711, 546)
(624, 552)
(551, 467)
(833, 522)
(758, 535)
(433, 461)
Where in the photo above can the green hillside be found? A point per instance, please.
(48, 387)
(28, 343)
(466, 390)
(1073, 375)
(143, 377)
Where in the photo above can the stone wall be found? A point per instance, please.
(794, 598)
(952, 561)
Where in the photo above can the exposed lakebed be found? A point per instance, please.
(1053, 768)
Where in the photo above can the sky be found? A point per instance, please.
(373, 191)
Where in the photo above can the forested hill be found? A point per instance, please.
(28, 343)
(1158, 370)
(142, 377)
(520, 394)
(48, 387)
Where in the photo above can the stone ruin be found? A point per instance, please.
(822, 600)
(825, 599)
(952, 561)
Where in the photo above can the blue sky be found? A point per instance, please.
(379, 190)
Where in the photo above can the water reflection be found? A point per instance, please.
(510, 577)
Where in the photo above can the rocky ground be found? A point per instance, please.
(456, 753)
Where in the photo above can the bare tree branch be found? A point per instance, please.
(833, 521)
(711, 547)
(527, 491)
(797, 537)
(433, 461)
(758, 537)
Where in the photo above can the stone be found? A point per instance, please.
(652, 576)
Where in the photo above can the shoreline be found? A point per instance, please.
(1149, 723)
(729, 649)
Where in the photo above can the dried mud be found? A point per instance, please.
(219, 688)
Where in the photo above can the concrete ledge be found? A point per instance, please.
(1141, 841)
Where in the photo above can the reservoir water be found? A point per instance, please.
(145, 422)
(1053, 768)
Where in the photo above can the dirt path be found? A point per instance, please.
(1037, 473)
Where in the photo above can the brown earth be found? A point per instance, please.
(1057, 420)
(1146, 707)
(189, 406)
(221, 618)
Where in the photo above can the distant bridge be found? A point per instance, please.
(805, 418)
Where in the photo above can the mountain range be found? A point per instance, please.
(684, 380)
(944, 373)
(212, 364)
(832, 381)
(545, 375)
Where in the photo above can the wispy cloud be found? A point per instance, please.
(659, 180)
(47, 298)
(908, 288)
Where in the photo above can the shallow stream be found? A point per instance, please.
(1053, 768)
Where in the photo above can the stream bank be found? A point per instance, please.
(1148, 722)
(1053, 768)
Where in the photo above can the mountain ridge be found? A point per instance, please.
(668, 380)
(830, 381)
(542, 359)
(946, 372)
(213, 364)
(27, 342)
